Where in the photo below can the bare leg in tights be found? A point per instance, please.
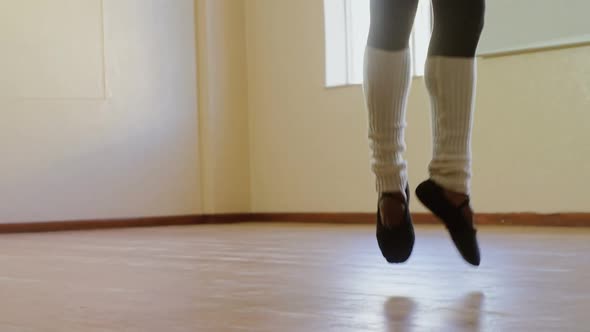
(450, 79)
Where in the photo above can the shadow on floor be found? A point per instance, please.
(403, 314)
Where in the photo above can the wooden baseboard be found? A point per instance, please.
(505, 219)
(535, 219)
(80, 225)
(508, 219)
(319, 218)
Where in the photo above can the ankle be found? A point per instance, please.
(456, 198)
(392, 207)
(397, 195)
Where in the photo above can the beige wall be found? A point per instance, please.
(223, 106)
(132, 154)
(268, 135)
(308, 143)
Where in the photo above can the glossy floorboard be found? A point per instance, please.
(272, 277)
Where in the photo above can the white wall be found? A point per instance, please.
(269, 136)
(52, 49)
(132, 154)
(534, 24)
(223, 106)
(309, 149)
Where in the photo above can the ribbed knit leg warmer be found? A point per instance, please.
(386, 85)
(451, 84)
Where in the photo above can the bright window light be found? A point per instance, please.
(347, 27)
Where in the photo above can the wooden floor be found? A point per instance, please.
(272, 277)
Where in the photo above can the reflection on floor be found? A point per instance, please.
(291, 277)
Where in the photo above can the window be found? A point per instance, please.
(347, 27)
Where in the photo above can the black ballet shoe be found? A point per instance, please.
(396, 242)
(460, 227)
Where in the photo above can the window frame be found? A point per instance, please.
(341, 66)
